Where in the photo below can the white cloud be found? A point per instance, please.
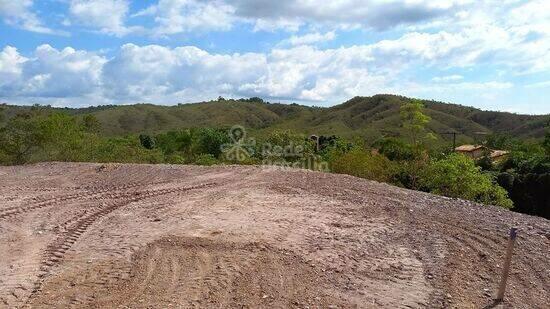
(154, 71)
(182, 16)
(484, 86)
(448, 78)
(301, 73)
(10, 61)
(10, 66)
(19, 14)
(375, 14)
(544, 84)
(310, 38)
(107, 16)
(51, 73)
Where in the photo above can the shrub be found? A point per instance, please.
(206, 159)
(175, 159)
(286, 146)
(20, 139)
(124, 150)
(364, 164)
(458, 176)
(394, 149)
(175, 141)
(210, 141)
(146, 141)
(409, 172)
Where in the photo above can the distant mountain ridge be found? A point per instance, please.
(368, 117)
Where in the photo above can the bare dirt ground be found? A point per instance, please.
(142, 236)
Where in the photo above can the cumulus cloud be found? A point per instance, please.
(294, 70)
(161, 73)
(181, 16)
(50, 73)
(167, 75)
(156, 71)
(107, 16)
(20, 15)
(309, 38)
(10, 67)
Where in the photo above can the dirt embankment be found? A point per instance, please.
(91, 235)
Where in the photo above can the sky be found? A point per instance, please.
(493, 54)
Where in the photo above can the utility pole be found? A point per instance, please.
(454, 137)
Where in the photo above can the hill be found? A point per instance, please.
(367, 117)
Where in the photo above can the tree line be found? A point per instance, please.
(519, 182)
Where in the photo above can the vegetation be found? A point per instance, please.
(364, 117)
(414, 122)
(364, 164)
(383, 138)
(457, 176)
(525, 174)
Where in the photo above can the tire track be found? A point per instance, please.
(55, 252)
(484, 244)
(18, 210)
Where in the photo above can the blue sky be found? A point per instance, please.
(488, 54)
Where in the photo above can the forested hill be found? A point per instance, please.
(367, 117)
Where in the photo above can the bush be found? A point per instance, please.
(206, 159)
(458, 176)
(147, 141)
(210, 141)
(409, 172)
(364, 164)
(287, 146)
(175, 141)
(394, 149)
(20, 139)
(175, 159)
(123, 150)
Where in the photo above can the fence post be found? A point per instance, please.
(507, 261)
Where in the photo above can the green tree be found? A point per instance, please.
(364, 164)
(210, 141)
(19, 138)
(458, 176)
(64, 138)
(175, 141)
(415, 121)
(125, 150)
(286, 146)
(546, 141)
(2, 113)
(91, 124)
(147, 141)
(394, 149)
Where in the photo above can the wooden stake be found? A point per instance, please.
(506, 268)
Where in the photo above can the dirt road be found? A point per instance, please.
(142, 236)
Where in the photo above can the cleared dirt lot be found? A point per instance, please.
(92, 235)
